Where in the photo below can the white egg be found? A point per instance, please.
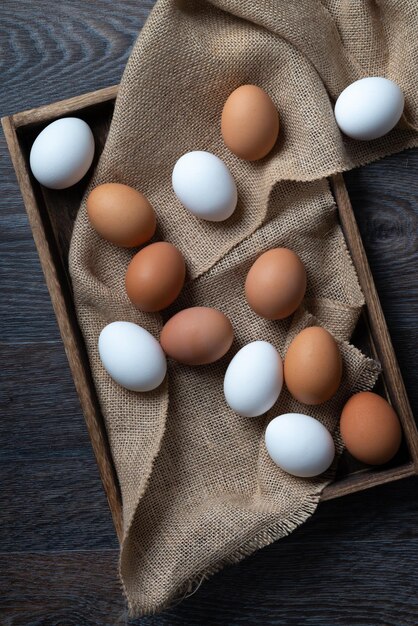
(62, 153)
(369, 108)
(299, 444)
(132, 356)
(254, 379)
(204, 185)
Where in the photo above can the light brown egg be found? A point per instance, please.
(276, 284)
(155, 276)
(370, 428)
(121, 214)
(313, 366)
(250, 123)
(197, 336)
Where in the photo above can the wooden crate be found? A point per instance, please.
(51, 216)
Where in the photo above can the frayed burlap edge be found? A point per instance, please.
(365, 380)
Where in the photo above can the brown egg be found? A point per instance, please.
(155, 276)
(276, 284)
(250, 123)
(197, 336)
(370, 428)
(313, 366)
(121, 214)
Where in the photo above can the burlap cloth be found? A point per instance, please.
(198, 488)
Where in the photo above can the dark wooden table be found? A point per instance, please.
(354, 563)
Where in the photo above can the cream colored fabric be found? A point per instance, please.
(198, 488)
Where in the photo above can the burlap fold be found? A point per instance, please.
(198, 487)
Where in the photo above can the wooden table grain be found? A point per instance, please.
(354, 563)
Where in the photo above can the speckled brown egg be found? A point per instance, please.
(121, 214)
(313, 366)
(197, 336)
(250, 123)
(276, 284)
(155, 276)
(370, 428)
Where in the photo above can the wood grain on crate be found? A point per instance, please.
(64, 107)
(66, 320)
(377, 323)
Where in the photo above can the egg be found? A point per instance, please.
(276, 284)
(249, 123)
(370, 428)
(132, 356)
(121, 214)
(204, 185)
(369, 108)
(62, 153)
(197, 336)
(155, 276)
(254, 378)
(299, 444)
(313, 366)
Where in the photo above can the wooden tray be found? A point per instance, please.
(51, 216)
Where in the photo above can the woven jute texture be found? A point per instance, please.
(198, 488)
